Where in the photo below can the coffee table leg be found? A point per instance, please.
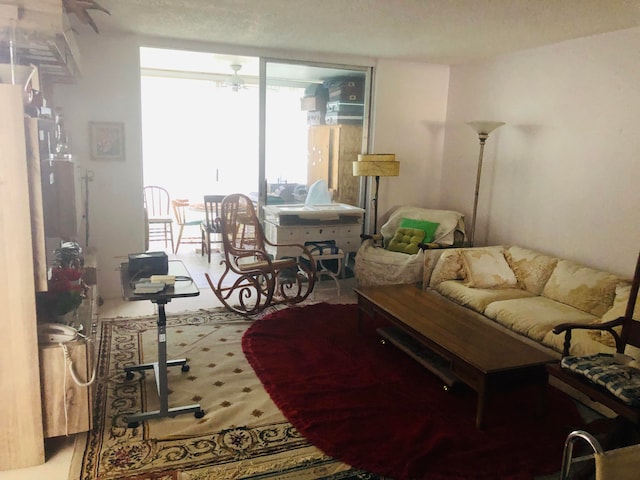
(482, 400)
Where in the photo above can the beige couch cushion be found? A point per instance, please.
(581, 287)
(535, 316)
(618, 310)
(477, 298)
(532, 269)
(487, 268)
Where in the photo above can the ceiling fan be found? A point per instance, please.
(235, 81)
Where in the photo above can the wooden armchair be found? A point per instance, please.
(611, 380)
(252, 280)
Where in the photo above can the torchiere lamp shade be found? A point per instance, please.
(380, 165)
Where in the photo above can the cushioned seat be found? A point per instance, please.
(378, 264)
(478, 298)
(610, 372)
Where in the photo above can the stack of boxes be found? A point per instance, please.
(346, 101)
(339, 101)
(314, 103)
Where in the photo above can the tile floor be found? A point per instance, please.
(59, 450)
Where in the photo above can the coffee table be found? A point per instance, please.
(478, 354)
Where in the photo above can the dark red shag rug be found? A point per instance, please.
(371, 406)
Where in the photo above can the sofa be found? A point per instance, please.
(528, 293)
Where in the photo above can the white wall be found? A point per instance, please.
(410, 101)
(562, 174)
(108, 91)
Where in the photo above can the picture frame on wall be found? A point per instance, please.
(107, 140)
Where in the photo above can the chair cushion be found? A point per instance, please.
(605, 370)
(406, 240)
(429, 228)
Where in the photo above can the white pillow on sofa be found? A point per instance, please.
(487, 268)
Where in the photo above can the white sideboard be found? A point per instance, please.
(286, 224)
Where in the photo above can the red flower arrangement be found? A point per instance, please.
(66, 291)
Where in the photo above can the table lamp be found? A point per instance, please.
(379, 165)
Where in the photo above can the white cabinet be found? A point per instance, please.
(285, 224)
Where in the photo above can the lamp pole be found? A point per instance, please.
(483, 128)
(375, 206)
(483, 138)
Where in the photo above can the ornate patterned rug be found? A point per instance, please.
(242, 435)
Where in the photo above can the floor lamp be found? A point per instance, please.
(483, 128)
(381, 165)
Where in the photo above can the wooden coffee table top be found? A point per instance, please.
(453, 328)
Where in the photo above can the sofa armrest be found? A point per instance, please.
(606, 326)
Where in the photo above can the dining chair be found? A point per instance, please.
(157, 206)
(211, 227)
(180, 211)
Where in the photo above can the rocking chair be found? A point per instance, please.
(252, 279)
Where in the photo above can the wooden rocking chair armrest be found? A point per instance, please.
(606, 326)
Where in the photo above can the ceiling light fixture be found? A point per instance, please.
(235, 81)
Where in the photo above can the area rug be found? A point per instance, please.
(243, 435)
(372, 407)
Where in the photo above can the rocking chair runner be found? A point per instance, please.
(608, 379)
(252, 280)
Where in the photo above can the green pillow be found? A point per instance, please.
(406, 240)
(429, 228)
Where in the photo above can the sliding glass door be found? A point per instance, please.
(219, 124)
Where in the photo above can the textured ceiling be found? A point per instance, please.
(436, 31)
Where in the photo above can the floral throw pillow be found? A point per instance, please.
(486, 268)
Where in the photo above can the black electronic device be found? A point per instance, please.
(148, 263)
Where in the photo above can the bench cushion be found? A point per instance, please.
(604, 369)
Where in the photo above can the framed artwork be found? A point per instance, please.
(107, 140)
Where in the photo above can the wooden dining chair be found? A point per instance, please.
(157, 206)
(211, 228)
(180, 211)
(253, 279)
